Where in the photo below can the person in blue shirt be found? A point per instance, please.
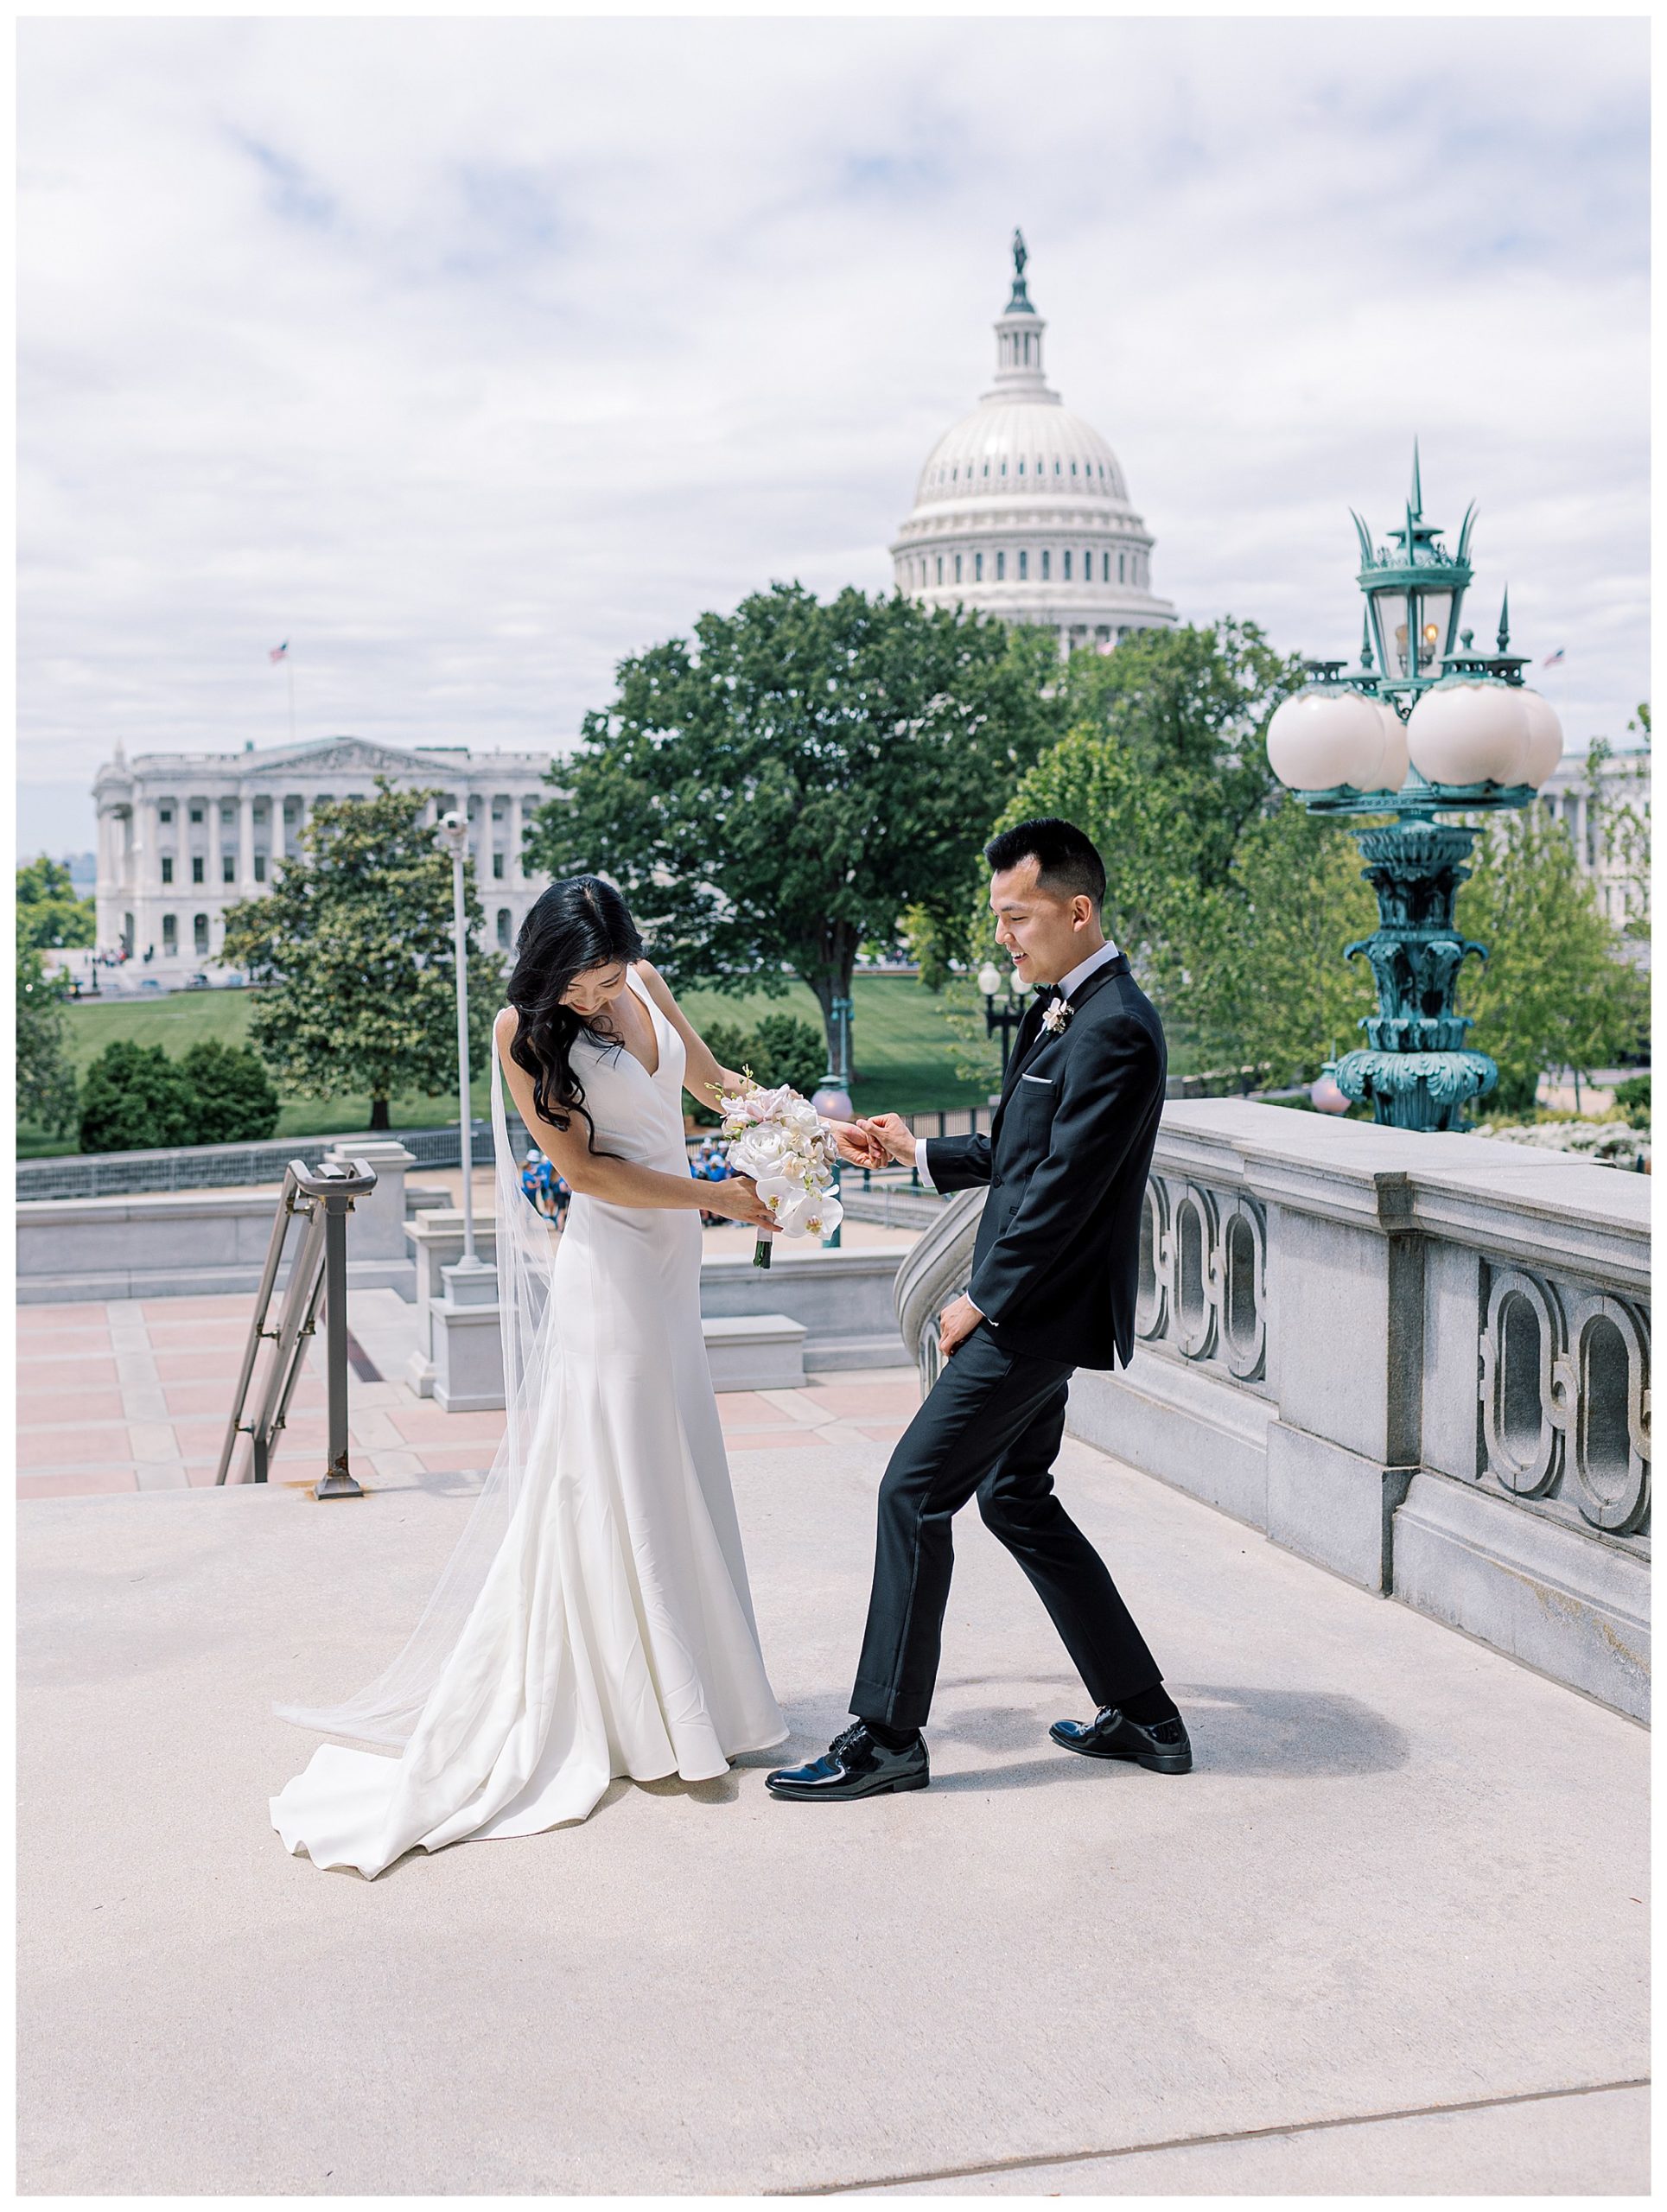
(709, 1166)
(537, 1180)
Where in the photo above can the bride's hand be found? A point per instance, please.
(737, 1197)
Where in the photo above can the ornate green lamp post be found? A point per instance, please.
(1425, 725)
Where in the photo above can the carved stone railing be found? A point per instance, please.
(1204, 1277)
(1412, 1358)
(1565, 1394)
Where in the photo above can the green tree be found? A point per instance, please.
(45, 1082)
(134, 1099)
(1161, 756)
(351, 952)
(1190, 707)
(49, 911)
(1145, 832)
(1557, 990)
(774, 792)
(1232, 902)
(231, 1100)
(1619, 808)
(1254, 967)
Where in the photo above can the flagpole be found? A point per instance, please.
(289, 669)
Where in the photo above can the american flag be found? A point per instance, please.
(281, 653)
(1551, 659)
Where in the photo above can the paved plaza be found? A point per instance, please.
(1389, 1936)
(135, 1395)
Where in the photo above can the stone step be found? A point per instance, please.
(755, 1351)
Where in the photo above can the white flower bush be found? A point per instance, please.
(777, 1137)
(1607, 1144)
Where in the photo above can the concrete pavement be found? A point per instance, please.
(1394, 1918)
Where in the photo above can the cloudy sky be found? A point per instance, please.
(468, 357)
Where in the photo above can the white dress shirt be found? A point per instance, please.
(1066, 985)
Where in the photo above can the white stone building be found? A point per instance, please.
(184, 835)
(1614, 853)
(1021, 509)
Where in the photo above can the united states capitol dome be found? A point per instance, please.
(1023, 509)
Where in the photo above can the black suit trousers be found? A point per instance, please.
(990, 1427)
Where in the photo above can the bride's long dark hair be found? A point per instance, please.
(577, 924)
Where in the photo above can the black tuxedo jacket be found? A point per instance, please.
(1058, 1251)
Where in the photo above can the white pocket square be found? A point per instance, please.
(1046, 1079)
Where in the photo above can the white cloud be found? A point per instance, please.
(471, 356)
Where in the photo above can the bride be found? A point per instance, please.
(595, 1620)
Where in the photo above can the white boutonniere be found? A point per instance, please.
(1055, 1015)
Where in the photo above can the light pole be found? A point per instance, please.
(839, 1064)
(1005, 1017)
(454, 832)
(1425, 727)
(833, 1098)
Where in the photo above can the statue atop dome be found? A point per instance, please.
(1021, 300)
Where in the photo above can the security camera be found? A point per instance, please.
(452, 820)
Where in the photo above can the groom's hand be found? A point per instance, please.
(956, 1324)
(891, 1131)
(854, 1144)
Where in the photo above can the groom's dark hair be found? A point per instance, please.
(1067, 865)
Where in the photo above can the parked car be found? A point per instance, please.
(197, 982)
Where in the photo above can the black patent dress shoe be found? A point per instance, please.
(855, 1764)
(1160, 1744)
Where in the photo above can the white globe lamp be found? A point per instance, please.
(1393, 768)
(1325, 1097)
(990, 979)
(1467, 730)
(1544, 738)
(1319, 740)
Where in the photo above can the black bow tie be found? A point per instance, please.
(1046, 993)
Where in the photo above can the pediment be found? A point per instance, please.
(334, 756)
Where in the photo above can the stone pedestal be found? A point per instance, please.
(468, 1356)
(755, 1351)
(436, 1239)
(377, 1257)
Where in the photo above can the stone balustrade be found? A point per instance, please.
(1421, 1361)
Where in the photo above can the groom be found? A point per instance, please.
(1052, 1289)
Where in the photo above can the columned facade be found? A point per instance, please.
(1616, 865)
(1021, 509)
(183, 836)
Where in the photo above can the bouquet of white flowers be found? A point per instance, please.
(777, 1137)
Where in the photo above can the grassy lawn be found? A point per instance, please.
(903, 1045)
(902, 1042)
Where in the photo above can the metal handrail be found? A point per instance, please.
(324, 1195)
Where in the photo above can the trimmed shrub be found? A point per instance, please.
(1632, 1098)
(731, 1047)
(789, 1051)
(782, 1049)
(134, 1099)
(231, 1098)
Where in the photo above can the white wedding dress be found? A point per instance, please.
(613, 1631)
